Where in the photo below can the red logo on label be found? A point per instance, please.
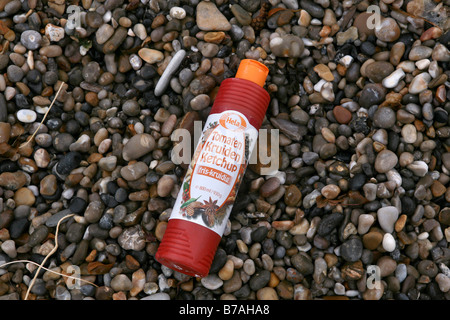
(232, 121)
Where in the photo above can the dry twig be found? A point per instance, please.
(45, 116)
(49, 254)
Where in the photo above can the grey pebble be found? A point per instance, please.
(173, 65)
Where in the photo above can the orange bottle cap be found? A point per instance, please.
(252, 70)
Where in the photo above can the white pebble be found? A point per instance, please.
(212, 282)
(107, 16)
(34, 189)
(304, 248)
(444, 282)
(407, 66)
(41, 110)
(388, 242)
(365, 221)
(352, 293)
(135, 61)
(392, 80)
(346, 61)
(10, 93)
(173, 65)
(393, 175)
(422, 64)
(157, 296)
(318, 86)
(139, 127)
(54, 33)
(423, 236)
(9, 247)
(339, 289)
(26, 115)
(177, 13)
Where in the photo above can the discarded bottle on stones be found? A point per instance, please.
(212, 180)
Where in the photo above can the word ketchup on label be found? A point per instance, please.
(212, 180)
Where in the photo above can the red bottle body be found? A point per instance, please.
(189, 247)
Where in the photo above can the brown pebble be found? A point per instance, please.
(437, 189)
(214, 37)
(266, 293)
(372, 240)
(353, 270)
(160, 230)
(115, 41)
(48, 185)
(131, 262)
(5, 132)
(92, 98)
(374, 293)
(400, 223)
(283, 225)
(324, 72)
(226, 272)
(97, 268)
(342, 115)
(270, 187)
(330, 191)
(292, 196)
(24, 196)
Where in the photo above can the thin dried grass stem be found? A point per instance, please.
(49, 270)
(49, 254)
(43, 119)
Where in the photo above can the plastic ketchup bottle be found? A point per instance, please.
(212, 180)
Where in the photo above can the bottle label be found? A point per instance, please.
(212, 180)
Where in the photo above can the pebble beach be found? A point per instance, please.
(92, 92)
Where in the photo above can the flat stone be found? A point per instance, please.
(385, 161)
(54, 33)
(132, 238)
(350, 34)
(324, 72)
(314, 9)
(150, 56)
(138, 146)
(387, 216)
(31, 39)
(287, 46)
(388, 242)
(419, 52)
(446, 160)
(378, 70)
(419, 83)
(24, 196)
(48, 185)
(241, 15)
(209, 18)
(352, 249)
(14, 73)
(342, 115)
(104, 33)
(388, 30)
(330, 191)
(393, 79)
(134, 171)
(53, 220)
(372, 94)
(409, 133)
(291, 130)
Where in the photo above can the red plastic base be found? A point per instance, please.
(188, 248)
